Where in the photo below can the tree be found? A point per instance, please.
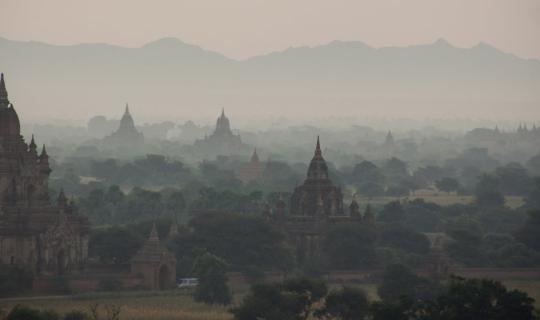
(466, 248)
(241, 240)
(349, 246)
(368, 178)
(310, 291)
(488, 192)
(114, 244)
(472, 299)
(403, 309)
(175, 202)
(422, 216)
(267, 301)
(76, 315)
(529, 233)
(514, 179)
(392, 212)
(291, 300)
(25, 313)
(533, 199)
(114, 195)
(14, 280)
(429, 174)
(447, 184)
(212, 288)
(399, 236)
(398, 190)
(346, 304)
(398, 281)
(370, 189)
(533, 164)
(394, 169)
(460, 299)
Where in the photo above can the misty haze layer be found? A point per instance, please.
(168, 79)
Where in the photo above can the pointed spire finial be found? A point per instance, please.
(318, 147)
(4, 102)
(33, 143)
(44, 157)
(127, 108)
(62, 199)
(254, 156)
(153, 233)
(223, 111)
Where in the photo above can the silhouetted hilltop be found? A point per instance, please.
(173, 78)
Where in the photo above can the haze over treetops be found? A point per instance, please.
(168, 79)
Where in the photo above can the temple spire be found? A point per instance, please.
(153, 234)
(62, 199)
(32, 143)
(4, 102)
(32, 148)
(318, 148)
(44, 153)
(255, 156)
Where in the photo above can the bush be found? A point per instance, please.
(291, 300)
(110, 284)
(76, 315)
(346, 304)
(212, 288)
(25, 313)
(398, 281)
(14, 280)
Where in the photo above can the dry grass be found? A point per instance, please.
(159, 307)
(440, 198)
(176, 305)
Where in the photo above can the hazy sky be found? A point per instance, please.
(243, 28)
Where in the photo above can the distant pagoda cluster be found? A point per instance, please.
(126, 134)
(35, 233)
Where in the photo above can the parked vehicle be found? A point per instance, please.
(187, 282)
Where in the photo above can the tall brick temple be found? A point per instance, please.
(44, 236)
(314, 206)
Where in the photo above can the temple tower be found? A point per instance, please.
(155, 263)
(317, 194)
(36, 234)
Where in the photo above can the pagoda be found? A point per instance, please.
(36, 233)
(252, 170)
(126, 134)
(222, 141)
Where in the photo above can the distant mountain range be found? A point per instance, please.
(169, 78)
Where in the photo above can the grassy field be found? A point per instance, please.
(134, 306)
(178, 305)
(440, 198)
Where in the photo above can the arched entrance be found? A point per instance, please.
(163, 278)
(61, 262)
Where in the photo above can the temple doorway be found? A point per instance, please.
(61, 262)
(163, 278)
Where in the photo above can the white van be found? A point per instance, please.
(187, 282)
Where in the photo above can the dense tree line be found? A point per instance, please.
(404, 296)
